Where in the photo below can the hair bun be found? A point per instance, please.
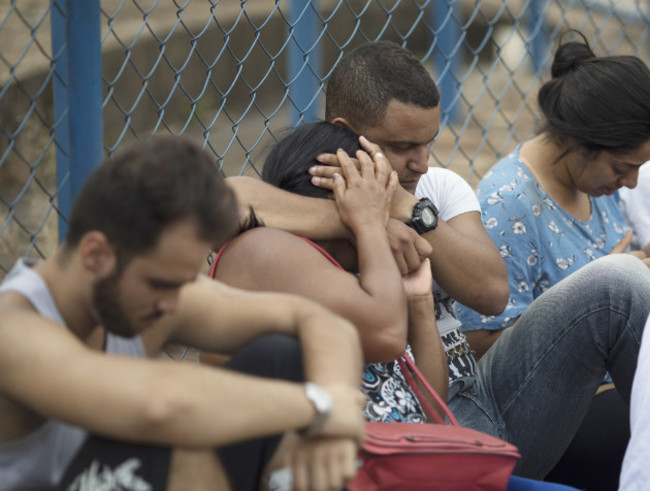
(568, 56)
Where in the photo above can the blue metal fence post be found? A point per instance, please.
(304, 62)
(79, 93)
(62, 125)
(448, 57)
(539, 41)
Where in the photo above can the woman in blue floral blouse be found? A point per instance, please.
(552, 206)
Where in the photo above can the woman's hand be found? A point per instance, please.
(624, 243)
(364, 196)
(419, 283)
(323, 177)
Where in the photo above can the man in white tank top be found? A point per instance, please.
(81, 406)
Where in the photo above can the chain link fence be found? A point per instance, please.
(81, 78)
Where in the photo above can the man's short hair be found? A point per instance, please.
(369, 77)
(134, 196)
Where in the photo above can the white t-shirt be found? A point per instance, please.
(453, 196)
(635, 473)
(636, 208)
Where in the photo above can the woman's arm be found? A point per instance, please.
(423, 335)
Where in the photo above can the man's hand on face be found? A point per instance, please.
(323, 177)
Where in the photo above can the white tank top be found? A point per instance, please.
(38, 460)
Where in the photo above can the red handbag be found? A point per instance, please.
(415, 457)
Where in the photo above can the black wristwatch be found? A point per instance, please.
(425, 216)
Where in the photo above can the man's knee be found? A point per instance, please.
(622, 276)
(623, 266)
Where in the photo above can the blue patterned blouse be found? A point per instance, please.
(539, 241)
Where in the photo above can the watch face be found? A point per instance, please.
(428, 218)
(319, 397)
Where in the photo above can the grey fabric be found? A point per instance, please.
(38, 460)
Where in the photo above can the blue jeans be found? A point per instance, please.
(535, 384)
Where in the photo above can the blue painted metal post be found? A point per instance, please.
(304, 61)
(82, 66)
(62, 125)
(539, 41)
(448, 56)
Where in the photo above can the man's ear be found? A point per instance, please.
(97, 255)
(343, 122)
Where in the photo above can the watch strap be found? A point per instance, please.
(417, 223)
(322, 402)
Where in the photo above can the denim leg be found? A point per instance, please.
(542, 373)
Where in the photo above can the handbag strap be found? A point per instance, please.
(215, 260)
(408, 368)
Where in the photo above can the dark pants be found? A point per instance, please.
(273, 356)
(126, 465)
(132, 466)
(594, 458)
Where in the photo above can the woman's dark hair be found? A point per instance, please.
(287, 164)
(596, 103)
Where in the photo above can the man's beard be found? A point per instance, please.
(108, 308)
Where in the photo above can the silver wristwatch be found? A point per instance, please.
(323, 404)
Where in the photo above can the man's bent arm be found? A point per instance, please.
(215, 317)
(467, 265)
(45, 368)
(310, 217)
(465, 262)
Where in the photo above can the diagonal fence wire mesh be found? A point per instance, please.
(233, 75)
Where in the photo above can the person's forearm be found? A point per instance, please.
(310, 217)
(332, 357)
(189, 405)
(468, 269)
(426, 343)
(379, 274)
(330, 345)
(402, 205)
(170, 403)
(251, 407)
